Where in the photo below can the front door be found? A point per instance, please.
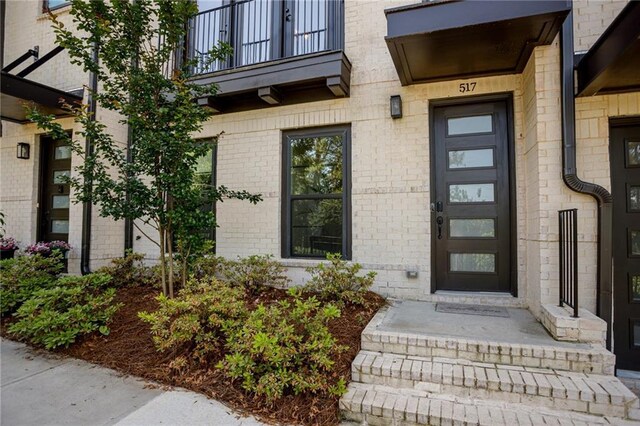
(625, 180)
(54, 192)
(471, 230)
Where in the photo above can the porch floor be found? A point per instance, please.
(520, 327)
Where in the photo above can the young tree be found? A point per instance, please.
(131, 46)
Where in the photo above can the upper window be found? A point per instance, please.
(53, 4)
(316, 201)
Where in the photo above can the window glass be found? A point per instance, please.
(635, 242)
(62, 152)
(633, 153)
(634, 197)
(459, 159)
(315, 199)
(60, 201)
(60, 175)
(636, 334)
(52, 4)
(316, 165)
(471, 193)
(472, 262)
(468, 125)
(60, 226)
(634, 282)
(483, 228)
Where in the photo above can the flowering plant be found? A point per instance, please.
(8, 243)
(45, 249)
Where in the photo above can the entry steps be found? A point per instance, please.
(416, 379)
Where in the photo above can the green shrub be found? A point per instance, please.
(256, 272)
(130, 270)
(338, 281)
(209, 266)
(283, 348)
(56, 316)
(195, 319)
(20, 277)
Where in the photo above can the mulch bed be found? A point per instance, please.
(129, 349)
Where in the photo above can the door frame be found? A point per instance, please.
(507, 97)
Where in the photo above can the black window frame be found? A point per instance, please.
(214, 182)
(287, 197)
(46, 8)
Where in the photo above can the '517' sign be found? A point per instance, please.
(467, 87)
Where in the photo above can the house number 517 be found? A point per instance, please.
(467, 87)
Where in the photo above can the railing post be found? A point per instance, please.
(561, 269)
(575, 262)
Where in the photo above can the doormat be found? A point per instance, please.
(462, 308)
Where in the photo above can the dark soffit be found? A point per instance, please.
(445, 40)
(16, 90)
(612, 65)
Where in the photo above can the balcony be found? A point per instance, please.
(285, 52)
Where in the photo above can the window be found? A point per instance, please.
(53, 4)
(316, 193)
(206, 177)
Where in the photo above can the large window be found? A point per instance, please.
(316, 193)
(206, 177)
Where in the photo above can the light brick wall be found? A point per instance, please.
(390, 160)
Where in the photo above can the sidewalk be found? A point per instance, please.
(37, 389)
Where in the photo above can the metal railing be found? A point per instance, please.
(568, 238)
(263, 30)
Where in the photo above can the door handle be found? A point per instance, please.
(439, 221)
(439, 206)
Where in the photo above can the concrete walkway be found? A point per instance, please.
(38, 389)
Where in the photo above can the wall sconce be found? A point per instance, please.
(395, 105)
(23, 150)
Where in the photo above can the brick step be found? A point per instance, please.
(381, 405)
(582, 358)
(586, 393)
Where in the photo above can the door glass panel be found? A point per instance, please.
(635, 243)
(472, 262)
(471, 124)
(60, 175)
(316, 227)
(634, 197)
(60, 226)
(62, 152)
(60, 201)
(472, 193)
(472, 228)
(634, 282)
(460, 159)
(636, 334)
(633, 153)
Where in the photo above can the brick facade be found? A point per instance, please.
(390, 160)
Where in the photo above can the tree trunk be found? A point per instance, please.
(163, 265)
(170, 248)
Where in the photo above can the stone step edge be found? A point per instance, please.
(594, 359)
(363, 401)
(595, 394)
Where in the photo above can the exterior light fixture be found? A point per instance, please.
(23, 150)
(395, 105)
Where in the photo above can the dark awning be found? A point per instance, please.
(612, 65)
(16, 90)
(445, 40)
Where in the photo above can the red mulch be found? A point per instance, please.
(129, 349)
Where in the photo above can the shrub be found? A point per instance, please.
(20, 277)
(209, 266)
(130, 270)
(339, 282)
(285, 347)
(195, 319)
(255, 272)
(56, 316)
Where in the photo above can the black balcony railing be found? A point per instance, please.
(263, 30)
(568, 230)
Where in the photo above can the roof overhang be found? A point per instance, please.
(16, 90)
(612, 65)
(445, 40)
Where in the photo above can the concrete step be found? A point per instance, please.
(565, 356)
(586, 393)
(381, 405)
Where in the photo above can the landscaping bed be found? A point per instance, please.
(130, 349)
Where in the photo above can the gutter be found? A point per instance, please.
(85, 258)
(571, 179)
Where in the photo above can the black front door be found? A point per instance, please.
(625, 179)
(471, 230)
(54, 193)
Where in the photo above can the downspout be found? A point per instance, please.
(571, 179)
(85, 252)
